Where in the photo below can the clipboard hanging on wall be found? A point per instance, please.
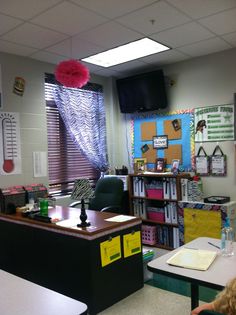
(202, 163)
(218, 163)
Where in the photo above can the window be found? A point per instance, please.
(65, 162)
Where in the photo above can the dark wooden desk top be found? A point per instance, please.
(98, 228)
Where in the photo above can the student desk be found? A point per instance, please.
(68, 260)
(19, 296)
(219, 273)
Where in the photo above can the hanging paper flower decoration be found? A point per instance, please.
(72, 73)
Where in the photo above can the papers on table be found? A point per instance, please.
(120, 218)
(198, 259)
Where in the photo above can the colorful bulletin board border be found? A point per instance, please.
(214, 123)
(187, 141)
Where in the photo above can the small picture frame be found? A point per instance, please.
(175, 165)
(140, 165)
(160, 142)
(160, 165)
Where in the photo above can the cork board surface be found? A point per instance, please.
(148, 130)
(150, 155)
(170, 131)
(173, 152)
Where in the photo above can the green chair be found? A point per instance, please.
(108, 196)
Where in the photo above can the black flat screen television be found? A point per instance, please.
(143, 92)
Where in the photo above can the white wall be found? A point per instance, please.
(31, 107)
(205, 81)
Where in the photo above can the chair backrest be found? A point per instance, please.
(208, 312)
(108, 192)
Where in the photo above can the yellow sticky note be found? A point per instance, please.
(110, 251)
(132, 243)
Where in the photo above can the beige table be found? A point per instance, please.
(219, 273)
(19, 296)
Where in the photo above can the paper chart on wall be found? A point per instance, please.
(10, 146)
(214, 123)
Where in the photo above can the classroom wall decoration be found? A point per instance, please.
(10, 147)
(177, 126)
(214, 123)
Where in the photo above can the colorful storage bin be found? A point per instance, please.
(149, 234)
(155, 193)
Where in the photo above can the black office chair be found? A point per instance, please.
(108, 196)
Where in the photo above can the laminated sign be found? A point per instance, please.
(202, 163)
(110, 251)
(218, 163)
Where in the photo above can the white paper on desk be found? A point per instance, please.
(198, 259)
(70, 223)
(120, 218)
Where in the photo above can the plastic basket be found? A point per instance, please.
(149, 234)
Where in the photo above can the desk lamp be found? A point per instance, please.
(82, 190)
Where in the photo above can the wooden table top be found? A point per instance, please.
(97, 219)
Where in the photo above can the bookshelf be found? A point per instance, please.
(154, 198)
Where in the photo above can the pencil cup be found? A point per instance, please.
(43, 205)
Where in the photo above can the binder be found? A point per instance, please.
(184, 189)
(173, 190)
(141, 187)
(136, 186)
(136, 208)
(166, 188)
(167, 213)
(175, 237)
(173, 213)
(142, 209)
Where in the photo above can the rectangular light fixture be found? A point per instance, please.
(131, 51)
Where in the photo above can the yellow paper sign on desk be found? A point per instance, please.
(110, 251)
(132, 243)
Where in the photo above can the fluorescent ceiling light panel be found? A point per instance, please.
(127, 52)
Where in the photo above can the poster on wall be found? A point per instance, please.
(10, 147)
(214, 123)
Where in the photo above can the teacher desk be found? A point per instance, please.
(68, 260)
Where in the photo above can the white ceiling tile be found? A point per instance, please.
(68, 18)
(163, 15)
(75, 47)
(82, 48)
(48, 57)
(92, 68)
(205, 47)
(15, 49)
(230, 38)
(7, 23)
(167, 57)
(183, 35)
(113, 8)
(221, 23)
(129, 65)
(201, 8)
(33, 36)
(25, 9)
(110, 35)
(107, 73)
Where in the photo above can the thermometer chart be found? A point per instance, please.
(10, 152)
(9, 144)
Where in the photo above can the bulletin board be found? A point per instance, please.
(180, 141)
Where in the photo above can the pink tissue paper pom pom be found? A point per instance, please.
(72, 73)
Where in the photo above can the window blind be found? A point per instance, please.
(65, 162)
